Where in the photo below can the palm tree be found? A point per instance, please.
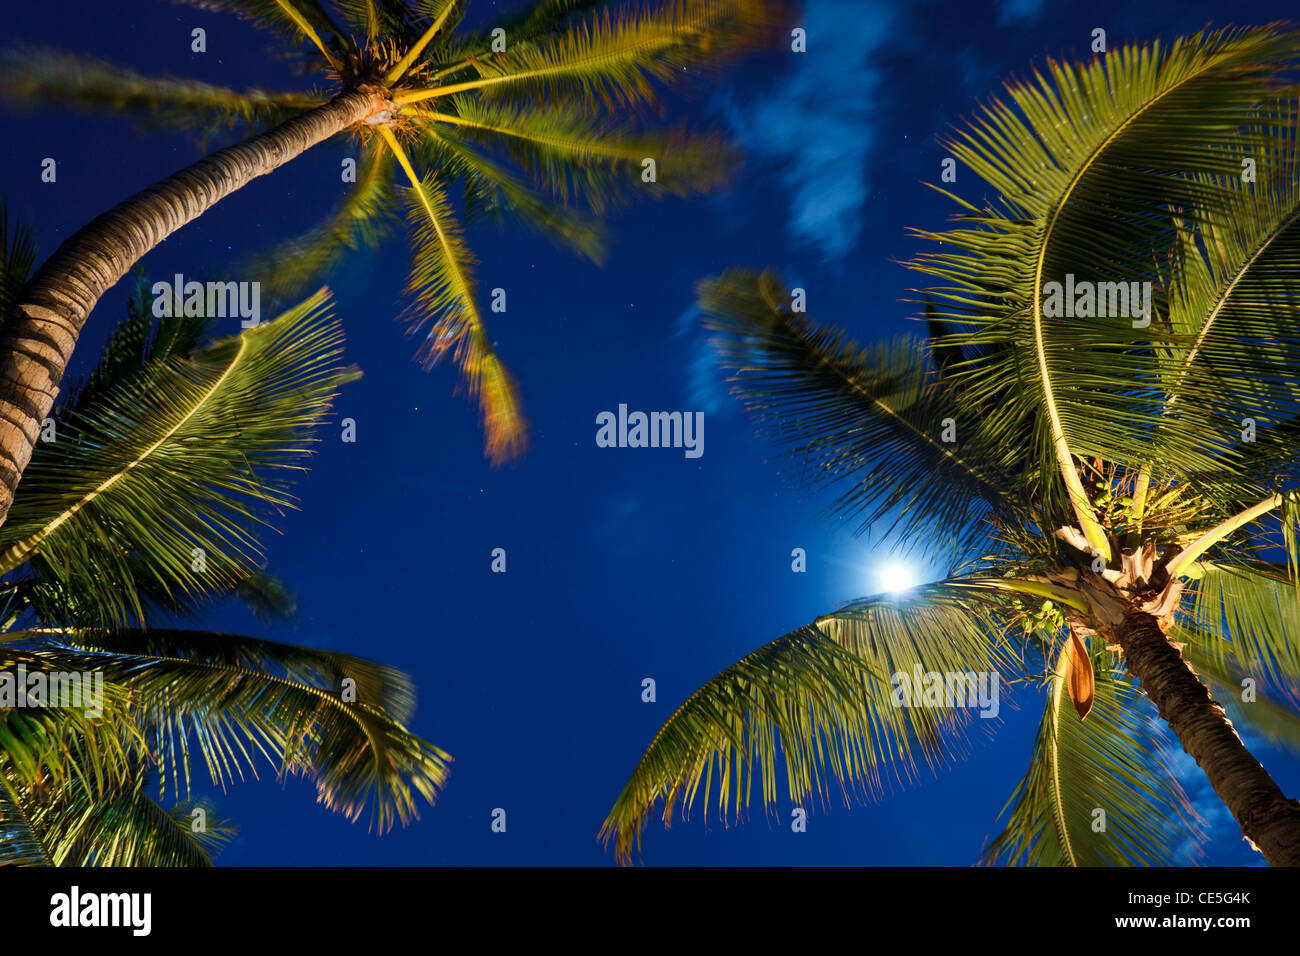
(560, 95)
(144, 504)
(1117, 492)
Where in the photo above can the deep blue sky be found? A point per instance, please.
(623, 564)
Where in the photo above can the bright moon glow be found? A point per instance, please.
(896, 577)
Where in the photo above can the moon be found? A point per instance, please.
(896, 577)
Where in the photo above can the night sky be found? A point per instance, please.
(622, 563)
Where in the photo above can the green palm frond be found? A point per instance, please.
(538, 21)
(267, 597)
(874, 420)
(330, 717)
(1088, 161)
(1251, 613)
(123, 489)
(17, 259)
(376, 686)
(577, 157)
(367, 17)
(1233, 317)
(137, 346)
(66, 745)
(133, 829)
(291, 19)
(20, 840)
(124, 827)
(612, 60)
(1257, 702)
(34, 77)
(134, 345)
(434, 23)
(84, 741)
(491, 190)
(820, 701)
(443, 303)
(1111, 762)
(361, 220)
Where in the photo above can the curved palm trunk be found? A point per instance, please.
(39, 334)
(1266, 816)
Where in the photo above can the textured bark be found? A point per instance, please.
(1267, 818)
(40, 333)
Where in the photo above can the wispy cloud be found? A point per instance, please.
(705, 389)
(1019, 11)
(1223, 835)
(818, 120)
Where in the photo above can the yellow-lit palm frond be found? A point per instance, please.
(1099, 792)
(99, 507)
(360, 221)
(612, 60)
(822, 705)
(32, 77)
(513, 126)
(294, 19)
(226, 699)
(63, 826)
(1088, 160)
(577, 157)
(491, 189)
(446, 312)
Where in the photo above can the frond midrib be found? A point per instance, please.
(20, 551)
(1064, 457)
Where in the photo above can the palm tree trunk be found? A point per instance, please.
(1267, 818)
(39, 334)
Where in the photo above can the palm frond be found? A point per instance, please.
(613, 60)
(491, 190)
(267, 597)
(536, 21)
(1251, 615)
(124, 827)
(576, 157)
(37, 77)
(368, 17)
(330, 717)
(17, 259)
(827, 696)
(123, 489)
(133, 346)
(20, 840)
(133, 829)
(873, 419)
(292, 19)
(1091, 166)
(443, 16)
(443, 295)
(1233, 335)
(376, 686)
(362, 220)
(1111, 762)
(79, 733)
(1272, 711)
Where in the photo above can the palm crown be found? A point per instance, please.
(1109, 483)
(145, 502)
(541, 116)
